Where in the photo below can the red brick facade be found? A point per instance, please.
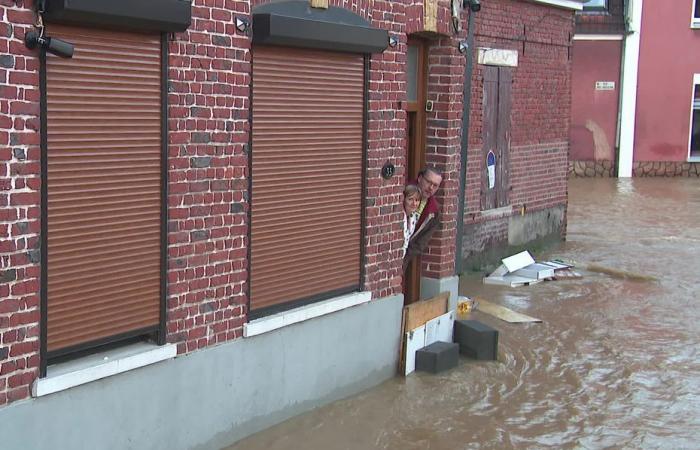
(208, 131)
(540, 115)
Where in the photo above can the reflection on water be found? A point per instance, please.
(615, 364)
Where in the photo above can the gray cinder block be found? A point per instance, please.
(476, 340)
(437, 357)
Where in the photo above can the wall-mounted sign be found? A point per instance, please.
(491, 168)
(388, 170)
(497, 57)
(604, 85)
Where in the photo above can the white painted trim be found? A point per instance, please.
(598, 37)
(694, 20)
(567, 4)
(60, 377)
(696, 81)
(284, 318)
(630, 76)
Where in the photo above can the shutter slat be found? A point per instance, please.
(306, 174)
(104, 186)
(121, 276)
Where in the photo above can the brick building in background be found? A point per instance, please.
(200, 213)
(635, 89)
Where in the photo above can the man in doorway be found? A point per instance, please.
(429, 180)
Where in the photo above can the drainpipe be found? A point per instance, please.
(628, 92)
(466, 103)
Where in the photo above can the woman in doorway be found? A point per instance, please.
(411, 199)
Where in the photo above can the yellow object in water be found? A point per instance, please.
(465, 305)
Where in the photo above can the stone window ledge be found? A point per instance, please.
(69, 374)
(306, 312)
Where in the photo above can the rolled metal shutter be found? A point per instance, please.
(307, 159)
(103, 187)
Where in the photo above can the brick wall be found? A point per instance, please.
(540, 114)
(208, 95)
(443, 147)
(386, 142)
(208, 131)
(19, 205)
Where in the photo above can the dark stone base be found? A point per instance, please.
(476, 340)
(437, 357)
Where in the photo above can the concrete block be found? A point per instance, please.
(437, 357)
(476, 340)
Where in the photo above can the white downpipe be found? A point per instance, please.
(628, 108)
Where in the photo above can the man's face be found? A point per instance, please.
(429, 183)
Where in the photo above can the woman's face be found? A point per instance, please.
(410, 203)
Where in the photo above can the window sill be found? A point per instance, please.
(567, 4)
(694, 159)
(62, 376)
(695, 25)
(306, 312)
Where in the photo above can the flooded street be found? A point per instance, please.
(615, 363)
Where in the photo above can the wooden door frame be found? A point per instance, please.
(416, 121)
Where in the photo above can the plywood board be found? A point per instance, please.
(419, 313)
(504, 313)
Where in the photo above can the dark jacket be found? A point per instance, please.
(425, 227)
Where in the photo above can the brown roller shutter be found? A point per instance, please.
(103, 187)
(307, 160)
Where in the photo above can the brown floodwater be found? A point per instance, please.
(614, 364)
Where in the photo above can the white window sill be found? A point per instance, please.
(567, 4)
(306, 312)
(69, 374)
(695, 24)
(694, 159)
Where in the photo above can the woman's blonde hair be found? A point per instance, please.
(412, 189)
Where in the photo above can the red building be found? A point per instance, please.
(200, 210)
(635, 95)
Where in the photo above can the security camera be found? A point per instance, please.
(55, 46)
(474, 5)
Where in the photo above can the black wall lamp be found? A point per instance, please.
(36, 38)
(462, 47)
(55, 46)
(393, 42)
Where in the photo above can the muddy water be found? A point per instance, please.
(615, 363)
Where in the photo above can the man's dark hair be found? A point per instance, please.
(429, 169)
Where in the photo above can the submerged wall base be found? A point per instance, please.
(214, 397)
(486, 242)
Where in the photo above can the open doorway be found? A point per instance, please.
(416, 93)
